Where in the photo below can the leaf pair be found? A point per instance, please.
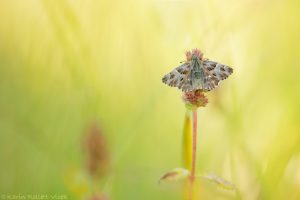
(181, 174)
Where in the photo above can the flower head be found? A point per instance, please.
(195, 52)
(195, 99)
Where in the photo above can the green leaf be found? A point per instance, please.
(220, 182)
(177, 174)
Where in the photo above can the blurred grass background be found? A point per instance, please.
(65, 64)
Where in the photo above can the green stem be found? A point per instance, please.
(194, 151)
(192, 192)
(187, 140)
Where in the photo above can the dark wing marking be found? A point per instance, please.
(215, 72)
(179, 77)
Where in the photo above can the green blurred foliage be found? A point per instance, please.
(65, 64)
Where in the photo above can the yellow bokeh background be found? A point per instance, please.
(65, 64)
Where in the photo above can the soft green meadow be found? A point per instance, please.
(68, 64)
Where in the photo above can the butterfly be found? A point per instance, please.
(197, 73)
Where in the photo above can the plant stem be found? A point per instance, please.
(194, 151)
(187, 146)
(192, 191)
(187, 140)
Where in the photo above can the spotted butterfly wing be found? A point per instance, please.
(179, 77)
(214, 73)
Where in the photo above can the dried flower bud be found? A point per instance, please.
(195, 99)
(188, 55)
(197, 53)
(97, 158)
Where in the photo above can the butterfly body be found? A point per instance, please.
(197, 73)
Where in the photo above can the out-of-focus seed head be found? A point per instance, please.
(95, 149)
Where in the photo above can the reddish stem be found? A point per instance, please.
(194, 145)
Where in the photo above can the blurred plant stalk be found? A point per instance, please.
(187, 140)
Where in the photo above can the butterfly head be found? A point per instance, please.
(194, 57)
(195, 60)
